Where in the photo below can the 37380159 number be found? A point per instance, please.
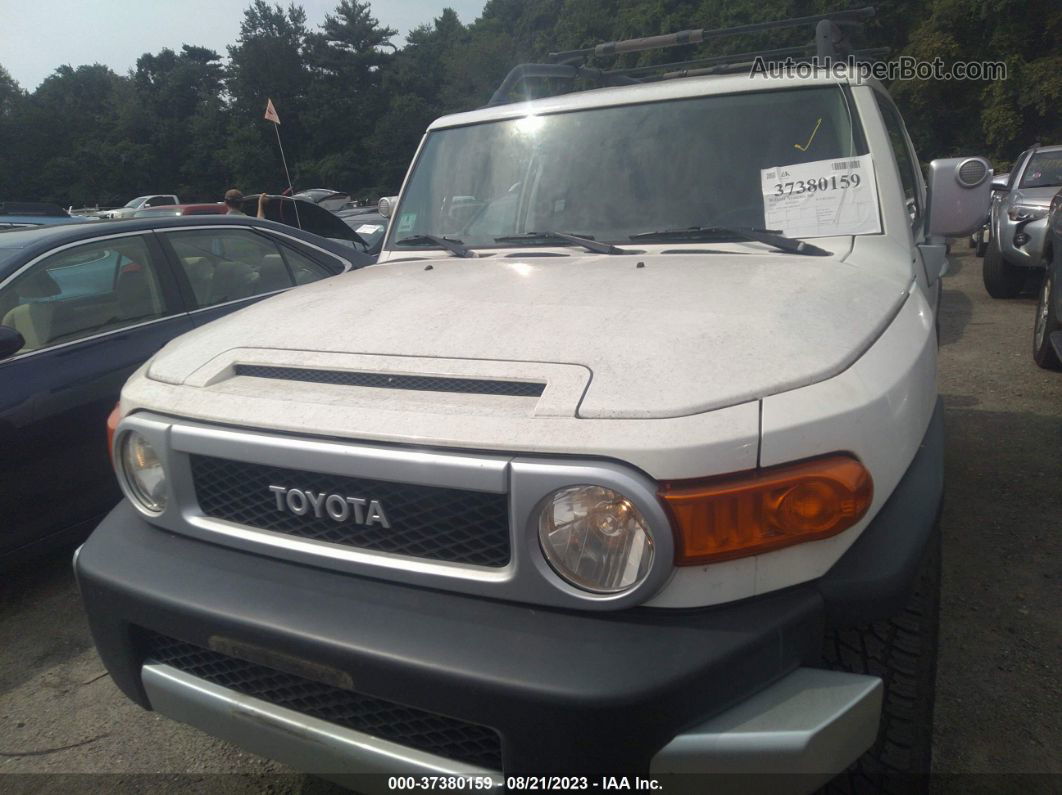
(819, 185)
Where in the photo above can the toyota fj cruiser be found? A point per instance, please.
(625, 460)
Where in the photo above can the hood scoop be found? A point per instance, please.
(418, 383)
(287, 380)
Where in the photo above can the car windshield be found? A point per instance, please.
(135, 202)
(609, 173)
(1044, 170)
(369, 226)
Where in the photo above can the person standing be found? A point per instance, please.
(234, 199)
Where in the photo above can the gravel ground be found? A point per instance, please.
(998, 706)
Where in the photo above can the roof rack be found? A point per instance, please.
(832, 42)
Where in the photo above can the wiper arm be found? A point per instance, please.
(765, 236)
(586, 242)
(451, 245)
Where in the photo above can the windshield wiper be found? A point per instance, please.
(543, 237)
(766, 236)
(451, 245)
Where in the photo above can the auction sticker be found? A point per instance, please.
(368, 229)
(823, 198)
(406, 222)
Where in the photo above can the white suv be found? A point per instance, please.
(591, 475)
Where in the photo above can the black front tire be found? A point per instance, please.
(1002, 280)
(903, 652)
(1045, 324)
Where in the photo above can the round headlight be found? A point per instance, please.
(595, 538)
(143, 472)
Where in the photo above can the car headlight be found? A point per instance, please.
(1023, 213)
(144, 473)
(595, 538)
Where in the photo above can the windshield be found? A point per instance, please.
(369, 226)
(136, 202)
(1044, 170)
(609, 173)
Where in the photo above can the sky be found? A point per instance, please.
(36, 37)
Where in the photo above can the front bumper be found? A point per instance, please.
(566, 691)
(1030, 253)
(811, 723)
(730, 689)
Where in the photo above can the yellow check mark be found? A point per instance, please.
(804, 148)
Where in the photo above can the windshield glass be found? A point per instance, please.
(369, 226)
(1044, 170)
(136, 202)
(609, 173)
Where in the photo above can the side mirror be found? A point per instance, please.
(11, 342)
(959, 189)
(387, 205)
(999, 183)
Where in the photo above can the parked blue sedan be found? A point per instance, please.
(81, 307)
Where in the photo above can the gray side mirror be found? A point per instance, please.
(386, 206)
(11, 342)
(999, 183)
(959, 190)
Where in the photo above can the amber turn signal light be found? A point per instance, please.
(112, 426)
(747, 514)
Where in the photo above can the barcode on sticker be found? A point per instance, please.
(845, 165)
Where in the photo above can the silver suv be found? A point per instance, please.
(1019, 219)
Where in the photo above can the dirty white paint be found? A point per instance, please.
(685, 334)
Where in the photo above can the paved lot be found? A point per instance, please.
(999, 709)
(999, 698)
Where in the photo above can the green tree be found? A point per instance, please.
(997, 118)
(178, 114)
(346, 59)
(416, 85)
(12, 116)
(67, 126)
(354, 107)
(267, 61)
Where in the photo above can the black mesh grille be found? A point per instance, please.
(421, 383)
(425, 521)
(414, 728)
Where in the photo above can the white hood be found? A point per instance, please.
(680, 335)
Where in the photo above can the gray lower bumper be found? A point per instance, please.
(812, 722)
(810, 726)
(1031, 254)
(302, 741)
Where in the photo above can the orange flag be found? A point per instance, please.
(271, 112)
